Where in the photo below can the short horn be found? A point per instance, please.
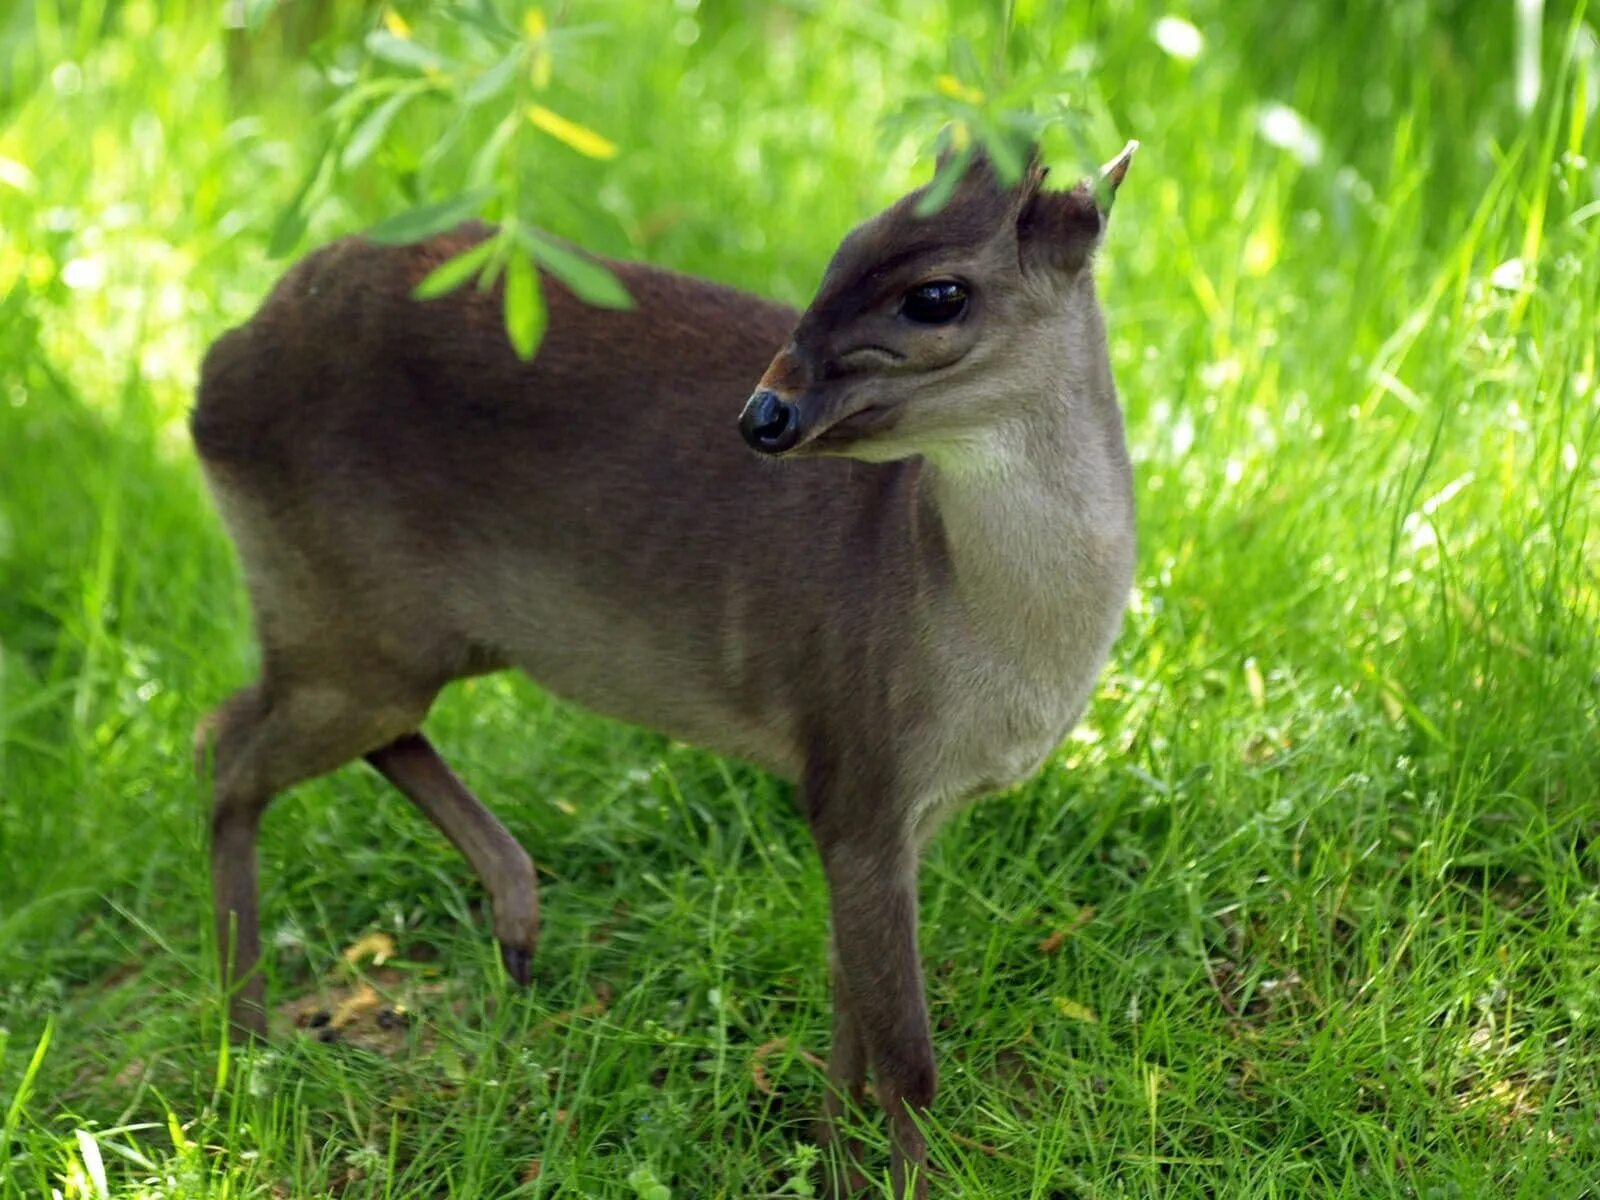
(1112, 173)
(1104, 183)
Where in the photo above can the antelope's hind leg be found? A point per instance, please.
(414, 766)
(280, 732)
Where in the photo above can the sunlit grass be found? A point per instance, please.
(1311, 904)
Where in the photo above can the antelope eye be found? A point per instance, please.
(936, 303)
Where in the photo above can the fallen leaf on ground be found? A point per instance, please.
(379, 947)
(1074, 1011)
(758, 1062)
(594, 1008)
(1058, 937)
(962, 1139)
(360, 1002)
(389, 1012)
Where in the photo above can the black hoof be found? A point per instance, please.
(519, 963)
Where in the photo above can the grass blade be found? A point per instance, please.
(24, 1088)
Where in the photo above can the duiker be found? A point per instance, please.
(896, 588)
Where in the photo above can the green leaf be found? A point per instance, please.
(944, 183)
(450, 1061)
(1005, 155)
(373, 126)
(453, 272)
(486, 19)
(589, 280)
(444, 143)
(486, 162)
(256, 13)
(287, 231)
(1074, 1011)
(526, 314)
(403, 52)
(502, 245)
(493, 81)
(964, 60)
(425, 220)
(290, 226)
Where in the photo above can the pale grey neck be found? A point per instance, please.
(1034, 517)
(1006, 514)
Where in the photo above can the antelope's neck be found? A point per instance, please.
(1039, 531)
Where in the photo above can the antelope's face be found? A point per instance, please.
(924, 327)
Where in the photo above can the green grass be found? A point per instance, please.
(1323, 863)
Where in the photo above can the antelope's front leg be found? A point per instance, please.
(847, 1088)
(879, 1004)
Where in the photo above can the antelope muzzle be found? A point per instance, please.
(769, 423)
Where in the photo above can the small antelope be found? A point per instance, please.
(896, 588)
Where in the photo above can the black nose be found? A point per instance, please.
(769, 424)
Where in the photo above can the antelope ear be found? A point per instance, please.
(1060, 230)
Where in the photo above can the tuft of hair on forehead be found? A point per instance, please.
(980, 202)
(978, 210)
(1056, 230)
